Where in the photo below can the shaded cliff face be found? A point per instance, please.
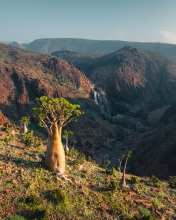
(155, 150)
(133, 81)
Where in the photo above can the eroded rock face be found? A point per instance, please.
(26, 75)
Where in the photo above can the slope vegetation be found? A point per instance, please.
(30, 191)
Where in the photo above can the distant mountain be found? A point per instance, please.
(16, 44)
(50, 45)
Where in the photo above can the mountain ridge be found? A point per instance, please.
(50, 45)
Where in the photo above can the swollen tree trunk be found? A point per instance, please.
(55, 155)
(123, 176)
(120, 165)
(23, 129)
(66, 145)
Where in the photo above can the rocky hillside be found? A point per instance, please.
(26, 75)
(126, 99)
(132, 80)
(135, 89)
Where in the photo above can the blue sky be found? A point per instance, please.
(129, 20)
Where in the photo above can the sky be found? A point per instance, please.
(129, 20)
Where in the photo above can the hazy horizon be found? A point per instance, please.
(128, 20)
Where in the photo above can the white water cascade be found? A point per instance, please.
(100, 99)
(95, 94)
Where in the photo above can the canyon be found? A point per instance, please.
(128, 97)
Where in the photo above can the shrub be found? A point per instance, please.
(114, 171)
(80, 159)
(72, 152)
(9, 136)
(113, 185)
(144, 212)
(111, 171)
(34, 208)
(154, 181)
(134, 180)
(33, 200)
(16, 217)
(172, 182)
(156, 203)
(58, 197)
(30, 140)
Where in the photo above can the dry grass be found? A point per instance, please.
(29, 191)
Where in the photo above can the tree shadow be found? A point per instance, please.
(22, 162)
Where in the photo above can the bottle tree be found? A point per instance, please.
(54, 114)
(24, 122)
(66, 134)
(125, 157)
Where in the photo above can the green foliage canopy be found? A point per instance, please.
(66, 133)
(25, 120)
(55, 110)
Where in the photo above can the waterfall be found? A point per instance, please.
(101, 100)
(95, 94)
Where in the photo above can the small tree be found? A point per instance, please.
(66, 134)
(125, 157)
(24, 123)
(53, 115)
(120, 165)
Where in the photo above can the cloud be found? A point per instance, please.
(168, 37)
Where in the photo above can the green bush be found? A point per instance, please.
(30, 140)
(134, 180)
(156, 203)
(113, 185)
(16, 217)
(58, 197)
(72, 153)
(144, 212)
(9, 136)
(33, 200)
(114, 171)
(172, 182)
(34, 208)
(80, 159)
(154, 181)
